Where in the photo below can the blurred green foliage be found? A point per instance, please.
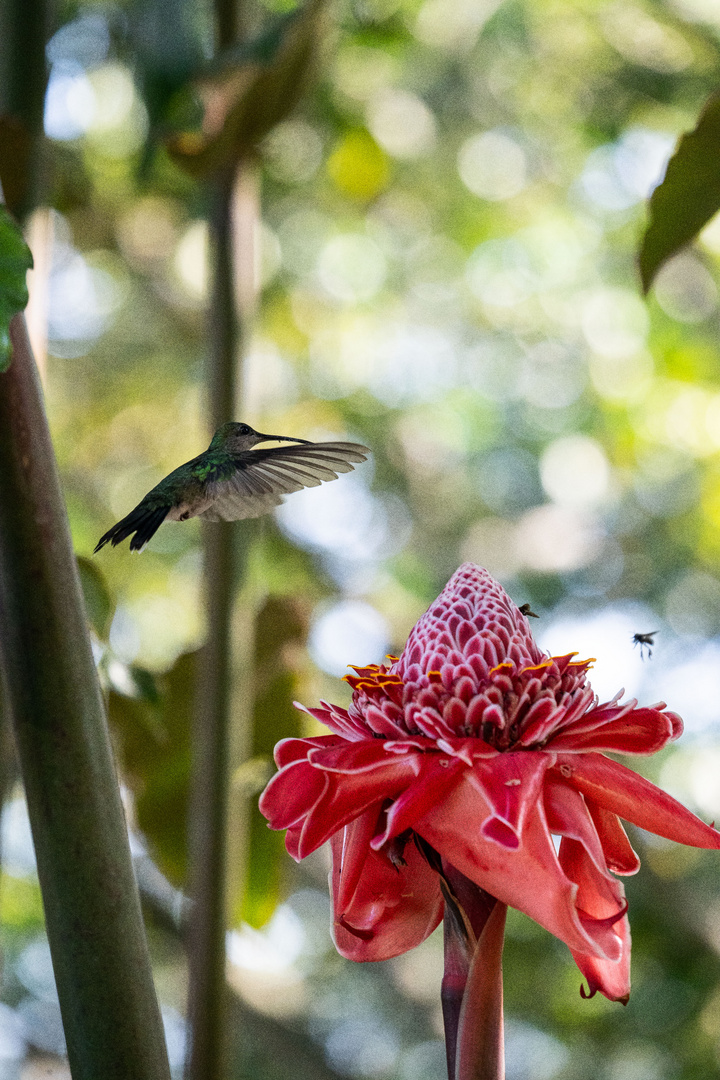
(248, 90)
(15, 262)
(98, 602)
(281, 632)
(151, 719)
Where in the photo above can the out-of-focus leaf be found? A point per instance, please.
(280, 632)
(146, 684)
(154, 746)
(166, 61)
(99, 604)
(252, 776)
(132, 681)
(358, 166)
(688, 196)
(15, 261)
(249, 90)
(21, 904)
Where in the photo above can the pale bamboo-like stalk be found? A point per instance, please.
(92, 910)
(39, 236)
(229, 318)
(211, 766)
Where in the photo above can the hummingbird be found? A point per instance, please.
(231, 480)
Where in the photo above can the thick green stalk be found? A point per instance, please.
(94, 925)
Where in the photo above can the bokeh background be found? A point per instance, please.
(444, 235)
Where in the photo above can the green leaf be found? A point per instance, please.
(165, 63)
(249, 90)
(99, 603)
(152, 730)
(15, 261)
(280, 629)
(688, 196)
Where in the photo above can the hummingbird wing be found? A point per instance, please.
(256, 480)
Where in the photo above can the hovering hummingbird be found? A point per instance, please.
(232, 481)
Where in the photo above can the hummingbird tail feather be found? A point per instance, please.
(148, 526)
(142, 521)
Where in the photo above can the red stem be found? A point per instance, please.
(480, 1043)
(472, 983)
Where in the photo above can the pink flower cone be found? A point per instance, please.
(491, 752)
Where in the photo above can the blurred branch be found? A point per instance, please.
(233, 200)
(211, 750)
(94, 924)
(24, 31)
(229, 22)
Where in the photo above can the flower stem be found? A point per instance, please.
(474, 923)
(480, 1043)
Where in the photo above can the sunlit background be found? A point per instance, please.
(445, 265)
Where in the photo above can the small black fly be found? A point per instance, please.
(645, 641)
(524, 609)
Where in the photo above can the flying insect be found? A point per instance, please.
(645, 641)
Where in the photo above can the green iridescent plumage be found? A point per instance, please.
(231, 480)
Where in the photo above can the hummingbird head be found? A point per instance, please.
(233, 438)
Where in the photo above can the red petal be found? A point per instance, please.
(469, 749)
(292, 793)
(379, 721)
(391, 910)
(350, 850)
(631, 797)
(338, 720)
(541, 717)
(348, 795)
(568, 816)
(289, 750)
(602, 899)
(529, 878)
(637, 731)
(431, 785)
(359, 757)
(619, 855)
(611, 979)
(511, 783)
(292, 842)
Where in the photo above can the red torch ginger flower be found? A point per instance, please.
(491, 752)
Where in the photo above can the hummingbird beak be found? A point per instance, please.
(282, 438)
